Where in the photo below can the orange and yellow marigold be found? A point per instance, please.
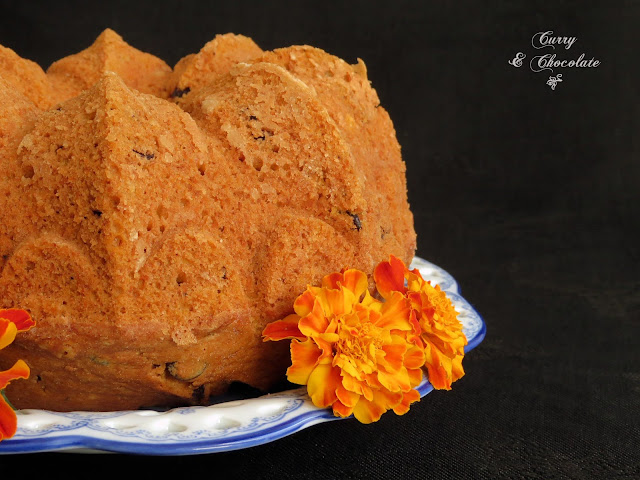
(364, 356)
(12, 321)
(441, 331)
(356, 354)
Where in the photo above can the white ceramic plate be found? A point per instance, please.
(193, 430)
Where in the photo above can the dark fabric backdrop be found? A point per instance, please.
(527, 195)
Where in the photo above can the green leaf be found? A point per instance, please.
(3, 395)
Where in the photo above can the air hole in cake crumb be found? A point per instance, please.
(258, 163)
(274, 167)
(241, 157)
(149, 226)
(162, 212)
(28, 171)
(30, 266)
(162, 228)
(276, 149)
(181, 278)
(202, 169)
(198, 394)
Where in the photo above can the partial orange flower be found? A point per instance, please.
(12, 321)
(354, 353)
(441, 331)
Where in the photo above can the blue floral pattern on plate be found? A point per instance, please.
(194, 430)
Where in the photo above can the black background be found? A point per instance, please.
(527, 195)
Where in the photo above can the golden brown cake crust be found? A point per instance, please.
(109, 53)
(216, 58)
(26, 77)
(152, 237)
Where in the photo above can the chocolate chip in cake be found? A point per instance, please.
(148, 156)
(180, 92)
(356, 220)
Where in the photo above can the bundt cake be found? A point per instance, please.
(154, 220)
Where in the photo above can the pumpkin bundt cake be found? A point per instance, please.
(154, 220)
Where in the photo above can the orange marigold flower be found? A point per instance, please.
(441, 331)
(12, 321)
(354, 353)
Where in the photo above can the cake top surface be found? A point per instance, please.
(116, 153)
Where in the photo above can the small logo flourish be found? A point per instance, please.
(553, 81)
